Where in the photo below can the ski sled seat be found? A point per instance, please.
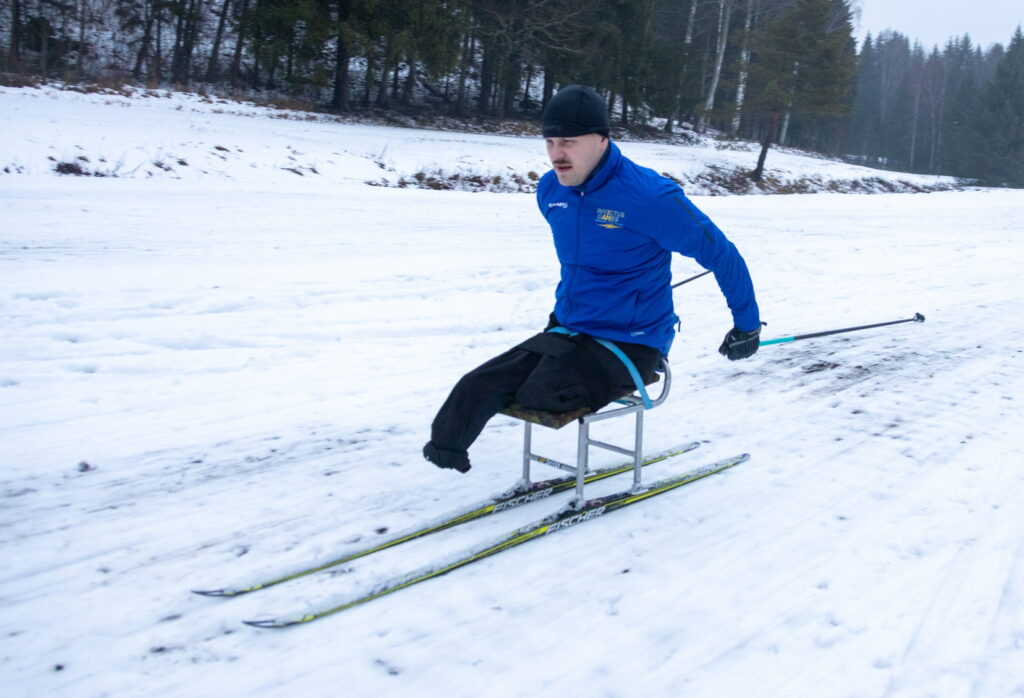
(634, 403)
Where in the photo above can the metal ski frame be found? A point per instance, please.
(632, 404)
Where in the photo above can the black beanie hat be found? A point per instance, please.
(575, 111)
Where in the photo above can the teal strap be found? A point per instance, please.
(621, 356)
(563, 330)
(631, 367)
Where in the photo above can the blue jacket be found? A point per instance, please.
(614, 236)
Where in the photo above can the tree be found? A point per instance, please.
(744, 67)
(188, 15)
(14, 54)
(804, 63)
(722, 34)
(212, 68)
(1002, 119)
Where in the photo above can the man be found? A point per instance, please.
(615, 225)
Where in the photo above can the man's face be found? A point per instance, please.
(574, 158)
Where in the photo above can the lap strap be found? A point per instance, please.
(621, 356)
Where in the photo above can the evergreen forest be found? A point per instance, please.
(781, 72)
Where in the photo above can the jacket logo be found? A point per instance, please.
(558, 204)
(607, 218)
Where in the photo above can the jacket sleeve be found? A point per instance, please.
(544, 192)
(679, 226)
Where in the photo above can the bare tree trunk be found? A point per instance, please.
(741, 79)
(236, 59)
(371, 66)
(410, 82)
(339, 100)
(784, 131)
(691, 20)
(938, 113)
(765, 145)
(525, 102)
(142, 58)
(789, 108)
(913, 126)
(179, 40)
(44, 47)
(724, 7)
(289, 59)
(212, 68)
(158, 60)
(15, 48)
(549, 83)
(509, 85)
(257, 50)
(83, 9)
(933, 165)
(395, 71)
(468, 49)
(487, 76)
(192, 37)
(185, 35)
(382, 84)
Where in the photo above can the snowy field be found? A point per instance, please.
(210, 378)
(185, 136)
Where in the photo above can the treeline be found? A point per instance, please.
(957, 111)
(778, 71)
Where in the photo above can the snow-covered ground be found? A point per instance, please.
(191, 137)
(209, 378)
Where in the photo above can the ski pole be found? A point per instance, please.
(918, 317)
(692, 278)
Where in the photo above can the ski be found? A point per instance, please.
(565, 518)
(511, 498)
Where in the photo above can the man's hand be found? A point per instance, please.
(739, 344)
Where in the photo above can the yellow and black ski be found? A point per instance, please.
(514, 497)
(565, 518)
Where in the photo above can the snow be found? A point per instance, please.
(208, 377)
(244, 142)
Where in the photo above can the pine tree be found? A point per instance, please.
(805, 66)
(1002, 119)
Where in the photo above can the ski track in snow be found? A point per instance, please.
(205, 382)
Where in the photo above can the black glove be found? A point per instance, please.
(739, 344)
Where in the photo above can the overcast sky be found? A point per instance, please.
(934, 21)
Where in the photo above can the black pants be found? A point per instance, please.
(552, 372)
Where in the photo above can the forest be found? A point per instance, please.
(786, 72)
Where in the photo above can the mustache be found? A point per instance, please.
(560, 162)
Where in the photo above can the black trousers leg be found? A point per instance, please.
(550, 372)
(478, 396)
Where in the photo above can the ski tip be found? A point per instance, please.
(218, 593)
(729, 462)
